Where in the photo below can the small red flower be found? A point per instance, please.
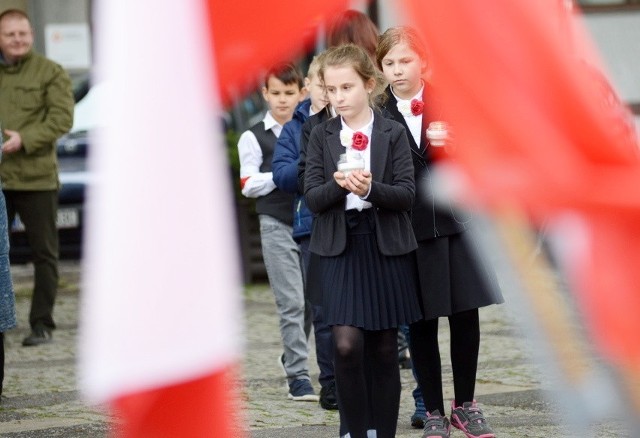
(359, 141)
(417, 107)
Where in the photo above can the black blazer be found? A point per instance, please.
(430, 218)
(392, 188)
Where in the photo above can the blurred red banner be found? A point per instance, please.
(539, 128)
(250, 35)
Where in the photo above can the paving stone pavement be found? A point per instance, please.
(41, 397)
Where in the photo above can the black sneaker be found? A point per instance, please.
(39, 335)
(301, 390)
(328, 398)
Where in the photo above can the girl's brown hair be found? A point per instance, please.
(356, 57)
(395, 35)
(353, 27)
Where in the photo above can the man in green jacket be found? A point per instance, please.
(36, 108)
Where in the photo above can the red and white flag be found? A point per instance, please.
(161, 310)
(161, 314)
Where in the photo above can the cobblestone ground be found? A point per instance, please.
(516, 395)
(40, 397)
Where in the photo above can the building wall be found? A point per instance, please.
(617, 36)
(57, 12)
(43, 12)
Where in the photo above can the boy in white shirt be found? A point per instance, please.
(283, 90)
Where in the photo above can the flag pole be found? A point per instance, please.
(581, 386)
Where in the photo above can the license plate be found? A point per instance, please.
(67, 218)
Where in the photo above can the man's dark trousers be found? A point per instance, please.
(38, 211)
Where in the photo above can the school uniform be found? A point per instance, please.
(452, 278)
(364, 245)
(280, 251)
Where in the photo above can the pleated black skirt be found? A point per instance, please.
(453, 278)
(363, 288)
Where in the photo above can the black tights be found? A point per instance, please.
(465, 344)
(359, 401)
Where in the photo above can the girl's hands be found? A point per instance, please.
(358, 181)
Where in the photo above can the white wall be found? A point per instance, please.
(389, 14)
(617, 36)
(46, 12)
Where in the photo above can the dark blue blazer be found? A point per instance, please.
(284, 166)
(307, 127)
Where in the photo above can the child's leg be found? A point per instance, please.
(417, 392)
(322, 333)
(426, 362)
(281, 258)
(420, 415)
(382, 346)
(465, 344)
(350, 378)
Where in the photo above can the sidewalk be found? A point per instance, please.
(41, 398)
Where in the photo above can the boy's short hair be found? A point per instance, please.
(315, 65)
(286, 72)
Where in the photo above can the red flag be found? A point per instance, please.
(250, 35)
(539, 127)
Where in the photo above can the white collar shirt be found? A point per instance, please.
(355, 201)
(413, 122)
(256, 183)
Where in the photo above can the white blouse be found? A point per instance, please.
(413, 122)
(355, 201)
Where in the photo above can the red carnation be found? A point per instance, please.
(417, 106)
(359, 141)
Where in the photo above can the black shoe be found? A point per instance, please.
(328, 399)
(301, 390)
(38, 336)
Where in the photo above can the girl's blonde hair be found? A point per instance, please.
(356, 57)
